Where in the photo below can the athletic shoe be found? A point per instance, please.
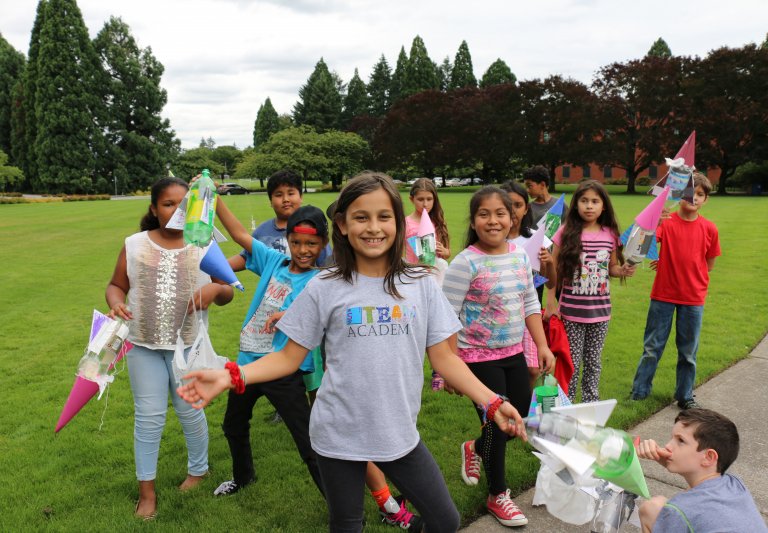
(688, 404)
(403, 518)
(470, 464)
(504, 509)
(438, 383)
(227, 488)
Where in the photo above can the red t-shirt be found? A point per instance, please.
(682, 276)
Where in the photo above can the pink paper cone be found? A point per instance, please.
(82, 392)
(425, 225)
(688, 150)
(648, 218)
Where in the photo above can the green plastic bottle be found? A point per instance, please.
(201, 209)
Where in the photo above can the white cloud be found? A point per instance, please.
(223, 58)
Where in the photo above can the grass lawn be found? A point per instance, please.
(58, 259)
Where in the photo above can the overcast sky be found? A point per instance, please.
(223, 58)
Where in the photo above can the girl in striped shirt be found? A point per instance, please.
(490, 286)
(587, 254)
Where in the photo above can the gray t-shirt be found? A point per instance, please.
(368, 402)
(539, 210)
(719, 505)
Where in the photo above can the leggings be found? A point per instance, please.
(416, 474)
(509, 377)
(586, 341)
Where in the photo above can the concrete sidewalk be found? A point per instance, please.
(739, 393)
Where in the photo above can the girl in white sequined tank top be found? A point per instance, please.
(152, 289)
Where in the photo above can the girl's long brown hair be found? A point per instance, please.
(569, 258)
(436, 215)
(343, 253)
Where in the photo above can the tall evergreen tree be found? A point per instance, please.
(356, 102)
(267, 123)
(11, 69)
(444, 74)
(67, 102)
(319, 102)
(398, 78)
(497, 74)
(421, 73)
(463, 74)
(764, 46)
(139, 141)
(659, 48)
(25, 122)
(379, 87)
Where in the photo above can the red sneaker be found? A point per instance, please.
(504, 509)
(470, 464)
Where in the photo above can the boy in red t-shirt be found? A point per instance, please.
(689, 246)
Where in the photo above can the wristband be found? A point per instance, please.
(490, 408)
(237, 375)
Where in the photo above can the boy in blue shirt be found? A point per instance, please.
(703, 445)
(281, 280)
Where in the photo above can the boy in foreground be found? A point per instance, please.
(703, 445)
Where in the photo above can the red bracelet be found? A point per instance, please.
(492, 407)
(236, 374)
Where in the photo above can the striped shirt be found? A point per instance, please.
(587, 297)
(492, 295)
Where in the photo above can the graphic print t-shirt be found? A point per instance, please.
(367, 405)
(587, 296)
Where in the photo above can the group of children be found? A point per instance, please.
(375, 313)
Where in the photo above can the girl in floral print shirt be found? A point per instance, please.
(490, 286)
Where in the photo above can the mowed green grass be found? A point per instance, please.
(57, 260)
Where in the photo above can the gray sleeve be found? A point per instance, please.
(304, 321)
(442, 320)
(456, 282)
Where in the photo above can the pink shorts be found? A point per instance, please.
(529, 350)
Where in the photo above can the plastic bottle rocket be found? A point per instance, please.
(201, 208)
(426, 234)
(102, 352)
(679, 177)
(641, 236)
(614, 454)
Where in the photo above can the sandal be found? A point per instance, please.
(148, 517)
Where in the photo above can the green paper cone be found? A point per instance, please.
(631, 479)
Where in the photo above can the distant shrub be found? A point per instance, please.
(643, 180)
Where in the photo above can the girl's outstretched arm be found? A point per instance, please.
(445, 361)
(208, 384)
(233, 226)
(118, 288)
(552, 307)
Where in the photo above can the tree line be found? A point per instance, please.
(80, 115)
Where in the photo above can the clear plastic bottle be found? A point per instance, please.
(102, 351)
(201, 209)
(612, 448)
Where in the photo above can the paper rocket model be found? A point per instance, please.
(575, 436)
(642, 236)
(533, 245)
(679, 177)
(107, 346)
(200, 211)
(423, 243)
(215, 265)
(553, 217)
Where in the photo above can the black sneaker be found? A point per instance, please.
(403, 518)
(688, 404)
(227, 488)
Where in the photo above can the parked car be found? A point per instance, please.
(453, 182)
(231, 188)
(471, 181)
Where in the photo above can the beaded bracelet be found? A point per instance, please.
(490, 408)
(237, 375)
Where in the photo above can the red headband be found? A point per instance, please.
(305, 230)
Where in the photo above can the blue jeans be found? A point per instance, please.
(151, 382)
(657, 329)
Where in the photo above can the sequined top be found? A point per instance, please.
(162, 282)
